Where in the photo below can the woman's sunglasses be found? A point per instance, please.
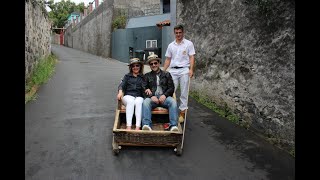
(155, 63)
(135, 65)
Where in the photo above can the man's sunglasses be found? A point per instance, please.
(155, 63)
(136, 65)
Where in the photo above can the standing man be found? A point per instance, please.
(159, 89)
(180, 58)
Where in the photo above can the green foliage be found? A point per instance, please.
(32, 97)
(222, 111)
(40, 74)
(292, 152)
(61, 10)
(119, 22)
(43, 70)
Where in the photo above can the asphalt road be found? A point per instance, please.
(68, 134)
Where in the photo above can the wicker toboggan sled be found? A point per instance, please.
(157, 137)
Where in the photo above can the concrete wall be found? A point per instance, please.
(246, 59)
(122, 39)
(93, 34)
(120, 45)
(167, 38)
(37, 35)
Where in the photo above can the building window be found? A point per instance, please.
(151, 43)
(166, 6)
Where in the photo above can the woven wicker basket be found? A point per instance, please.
(157, 137)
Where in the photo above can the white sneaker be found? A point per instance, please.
(146, 128)
(174, 128)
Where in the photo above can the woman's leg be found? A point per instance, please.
(128, 101)
(138, 111)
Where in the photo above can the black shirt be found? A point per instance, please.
(134, 86)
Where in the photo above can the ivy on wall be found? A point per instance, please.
(119, 22)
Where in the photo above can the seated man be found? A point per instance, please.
(159, 90)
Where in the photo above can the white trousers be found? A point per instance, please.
(181, 78)
(133, 103)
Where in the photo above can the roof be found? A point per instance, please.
(146, 21)
(163, 23)
(75, 13)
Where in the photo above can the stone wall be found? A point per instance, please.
(93, 33)
(37, 34)
(143, 8)
(55, 38)
(245, 59)
(141, 4)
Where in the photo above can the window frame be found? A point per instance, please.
(151, 43)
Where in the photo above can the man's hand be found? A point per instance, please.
(166, 63)
(148, 92)
(162, 99)
(190, 73)
(155, 99)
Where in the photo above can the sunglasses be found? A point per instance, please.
(155, 63)
(136, 65)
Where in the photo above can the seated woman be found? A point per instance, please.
(131, 92)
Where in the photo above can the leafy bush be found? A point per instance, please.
(119, 22)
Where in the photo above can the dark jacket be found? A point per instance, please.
(134, 86)
(166, 82)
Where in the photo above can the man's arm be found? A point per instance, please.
(170, 84)
(191, 59)
(166, 63)
(148, 86)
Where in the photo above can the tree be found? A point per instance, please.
(61, 10)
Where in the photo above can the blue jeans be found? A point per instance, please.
(169, 103)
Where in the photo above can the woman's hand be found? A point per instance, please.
(148, 92)
(120, 94)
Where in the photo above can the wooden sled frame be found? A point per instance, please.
(121, 136)
(160, 137)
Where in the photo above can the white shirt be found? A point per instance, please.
(179, 53)
(159, 89)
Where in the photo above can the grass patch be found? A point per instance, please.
(222, 111)
(40, 74)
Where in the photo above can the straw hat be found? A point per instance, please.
(135, 60)
(153, 57)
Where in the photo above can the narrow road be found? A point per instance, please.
(68, 134)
